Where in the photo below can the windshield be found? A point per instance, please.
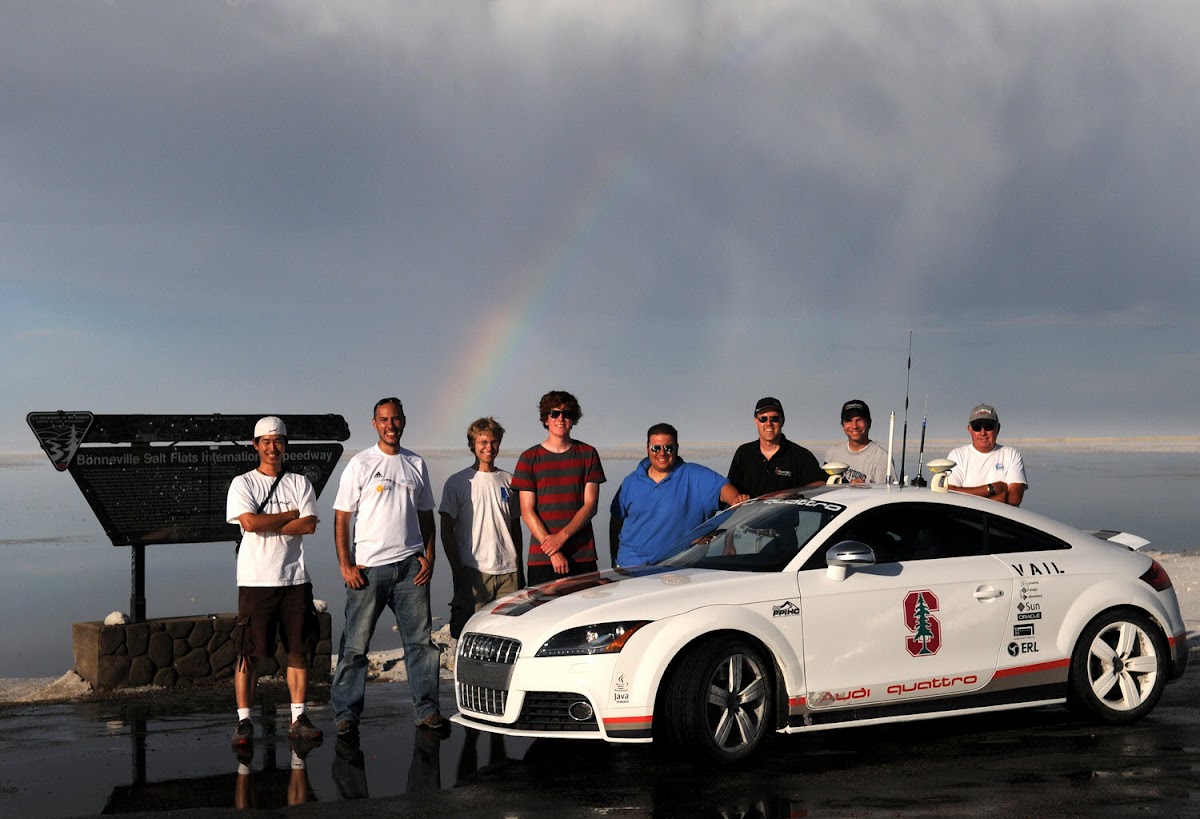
(760, 536)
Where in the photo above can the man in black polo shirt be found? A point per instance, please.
(772, 462)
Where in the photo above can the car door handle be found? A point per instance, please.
(988, 593)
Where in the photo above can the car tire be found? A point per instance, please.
(720, 700)
(1119, 667)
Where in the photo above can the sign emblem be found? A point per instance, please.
(60, 434)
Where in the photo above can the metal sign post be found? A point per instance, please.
(137, 584)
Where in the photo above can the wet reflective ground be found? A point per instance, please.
(173, 753)
(159, 755)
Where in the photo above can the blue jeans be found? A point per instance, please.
(392, 586)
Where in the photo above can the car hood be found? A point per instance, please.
(640, 593)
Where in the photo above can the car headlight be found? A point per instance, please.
(602, 638)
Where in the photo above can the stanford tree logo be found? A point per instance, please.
(926, 630)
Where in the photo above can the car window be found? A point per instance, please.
(1005, 536)
(761, 536)
(902, 532)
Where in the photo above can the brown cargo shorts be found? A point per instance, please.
(267, 611)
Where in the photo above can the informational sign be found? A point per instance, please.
(176, 494)
(151, 488)
(165, 478)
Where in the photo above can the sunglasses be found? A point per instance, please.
(570, 416)
(671, 449)
(770, 419)
(982, 426)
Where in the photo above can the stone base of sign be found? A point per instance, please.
(176, 652)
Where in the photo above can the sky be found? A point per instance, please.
(669, 209)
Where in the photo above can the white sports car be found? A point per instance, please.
(825, 608)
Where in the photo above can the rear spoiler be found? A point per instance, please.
(1122, 538)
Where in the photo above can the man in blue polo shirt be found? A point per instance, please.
(663, 498)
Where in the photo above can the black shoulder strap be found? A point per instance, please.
(237, 544)
(270, 494)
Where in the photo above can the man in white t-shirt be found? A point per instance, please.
(481, 527)
(866, 459)
(384, 534)
(275, 509)
(984, 467)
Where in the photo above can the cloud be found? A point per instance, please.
(677, 186)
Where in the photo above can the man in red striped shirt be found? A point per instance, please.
(559, 481)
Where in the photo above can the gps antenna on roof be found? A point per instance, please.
(904, 436)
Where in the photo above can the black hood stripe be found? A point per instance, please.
(535, 596)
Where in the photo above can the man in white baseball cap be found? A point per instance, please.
(275, 509)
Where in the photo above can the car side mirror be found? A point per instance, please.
(846, 555)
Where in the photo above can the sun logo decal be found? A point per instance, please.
(925, 630)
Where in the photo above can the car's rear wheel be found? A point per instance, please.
(719, 700)
(1120, 667)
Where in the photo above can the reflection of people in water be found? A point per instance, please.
(271, 790)
(297, 793)
(243, 787)
(425, 772)
(349, 771)
(468, 762)
(273, 786)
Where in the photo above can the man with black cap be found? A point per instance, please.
(772, 462)
(984, 467)
(867, 460)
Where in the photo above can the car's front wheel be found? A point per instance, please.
(1120, 667)
(719, 700)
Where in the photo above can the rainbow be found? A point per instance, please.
(485, 358)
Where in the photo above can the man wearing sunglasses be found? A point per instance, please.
(984, 467)
(772, 462)
(662, 499)
(559, 481)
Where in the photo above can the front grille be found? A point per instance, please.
(481, 699)
(547, 711)
(489, 649)
(483, 670)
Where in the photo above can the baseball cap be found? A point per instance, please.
(271, 425)
(855, 407)
(983, 412)
(767, 404)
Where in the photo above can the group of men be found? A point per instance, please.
(384, 531)
(384, 534)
